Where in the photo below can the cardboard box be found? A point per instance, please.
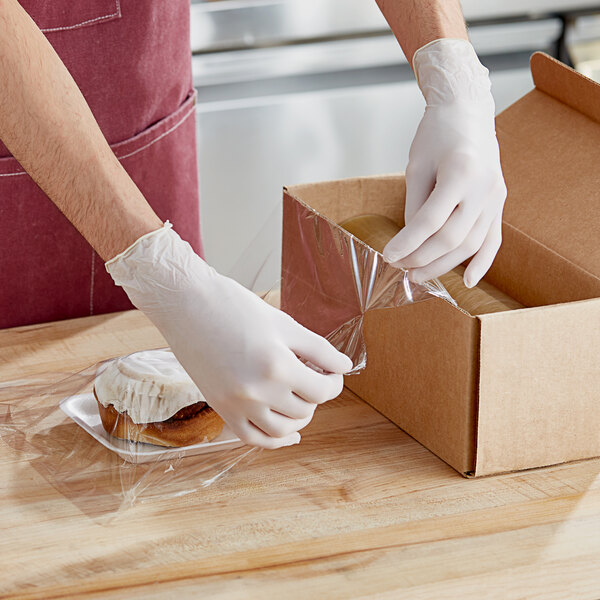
(504, 391)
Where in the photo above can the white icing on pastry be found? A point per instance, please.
(150, 385)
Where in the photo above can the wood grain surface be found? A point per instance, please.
(357, 510)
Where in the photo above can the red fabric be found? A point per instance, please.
(131, 60)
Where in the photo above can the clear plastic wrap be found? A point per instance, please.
(58, 426)
(64, 441)
(321, 260)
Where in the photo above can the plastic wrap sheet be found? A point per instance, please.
(330, 279)
(101, 481)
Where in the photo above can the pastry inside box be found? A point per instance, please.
(377, 230)
(148, 397)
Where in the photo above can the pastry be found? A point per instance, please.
(148, 397)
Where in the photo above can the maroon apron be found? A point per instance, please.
(131, 59)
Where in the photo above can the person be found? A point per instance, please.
(118, 151)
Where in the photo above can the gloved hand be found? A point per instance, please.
(242, 353)
(455, 188)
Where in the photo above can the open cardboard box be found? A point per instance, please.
(504, 391)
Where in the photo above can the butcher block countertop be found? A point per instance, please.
(357, 510)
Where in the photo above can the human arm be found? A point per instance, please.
(418, 22)
(47, 125)
(455, 188)
(244, 355)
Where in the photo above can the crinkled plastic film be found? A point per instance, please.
(330, 279)
(97, 479)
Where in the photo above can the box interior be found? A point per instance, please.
(344, 199)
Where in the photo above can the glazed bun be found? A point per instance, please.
(185, 428)
(148, 397)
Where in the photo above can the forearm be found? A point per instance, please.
(47, 125)
(418, 22)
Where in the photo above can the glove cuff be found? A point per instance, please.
(448, 71)
(156, 263)
(129, 251)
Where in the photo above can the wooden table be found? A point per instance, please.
(357, 510)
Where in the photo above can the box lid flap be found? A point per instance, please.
(550, 149)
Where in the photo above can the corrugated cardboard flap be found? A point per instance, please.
(550, 148)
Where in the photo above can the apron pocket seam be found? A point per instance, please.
(158, 131)
(107, 17)
(130, 146)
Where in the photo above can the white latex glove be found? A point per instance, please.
(241, 352)
(455, 188)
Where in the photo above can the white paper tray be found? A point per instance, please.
(83, 409)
